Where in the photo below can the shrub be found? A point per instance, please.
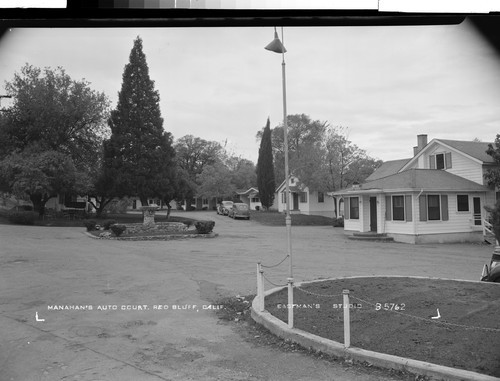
(90, 225)
(107, 224)
(338, 222)
(204, 227)
(118, 206)
(118, 229)
(495, 219)
(22, 218)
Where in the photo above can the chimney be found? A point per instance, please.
(421, 143)
(415, 151)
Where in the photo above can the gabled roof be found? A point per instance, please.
(387, 168)
(475, 149)
(282, 185)
(248, 191)
(419, 179)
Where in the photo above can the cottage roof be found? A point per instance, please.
(387, 168)
(416, 180)
(475, 149)
(249, 191)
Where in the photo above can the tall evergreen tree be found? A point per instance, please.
(265, 169)
(139, 157)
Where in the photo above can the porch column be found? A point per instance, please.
(362, 204)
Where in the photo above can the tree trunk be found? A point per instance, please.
(169, 208)
(39, 202)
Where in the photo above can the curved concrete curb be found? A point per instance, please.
(337, 349)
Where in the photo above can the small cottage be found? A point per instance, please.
(437, 196)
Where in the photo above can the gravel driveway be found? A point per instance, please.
(117, 310)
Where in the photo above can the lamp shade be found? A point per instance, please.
(275, 45)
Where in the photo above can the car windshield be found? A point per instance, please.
(242, 206)
(227, 203)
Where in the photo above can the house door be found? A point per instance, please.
(295, 201)
(477, 211)
(373, 214)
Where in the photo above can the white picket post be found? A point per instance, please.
(290, 302)
(262, 305)
(347, 322)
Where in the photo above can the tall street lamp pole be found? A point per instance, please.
(277, 46)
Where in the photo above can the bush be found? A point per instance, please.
(338, 222)
(107, 224)
(118, 206)
(118, 229)
(90, 225)
(23, 218)
(204, 227)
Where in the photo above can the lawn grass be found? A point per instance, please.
(278, 219)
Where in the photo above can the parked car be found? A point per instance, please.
(492, 273)
(223, 207)
(239, 210)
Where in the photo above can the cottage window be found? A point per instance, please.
(354, 208)
(440, 161)
(433, 207)
(463, 203)
(398, 208)
(321, 197)
(134, 204)
(283, 197)
(303, 196)
(255, 199)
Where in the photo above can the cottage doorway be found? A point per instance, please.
(373, 214)
(477, 211)
(295, 201)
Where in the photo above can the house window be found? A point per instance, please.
(134, 204)
(255, 199)
(433, 208)
(354, 208)
(440, 161)
(204, 201)
(283, 197)
(321, 197)
(398, 208)
(303, 197)
(463, 203)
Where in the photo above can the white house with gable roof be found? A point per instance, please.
(437, 196)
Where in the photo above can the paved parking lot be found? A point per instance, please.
(151, 315)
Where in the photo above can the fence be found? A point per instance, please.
(346, 297)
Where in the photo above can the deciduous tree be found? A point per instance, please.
(52, 132)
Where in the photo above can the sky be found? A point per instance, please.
(385, 84)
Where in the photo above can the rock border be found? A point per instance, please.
(337, 349)
(155, 238)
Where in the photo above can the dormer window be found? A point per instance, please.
(440, 161)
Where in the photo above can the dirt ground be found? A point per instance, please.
(76, 308)
(395, 316)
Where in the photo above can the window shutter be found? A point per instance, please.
(432, 161)
(388, 208)
(447, 160)
(408, 209)
(444, 207)
(422, 200)
(346, 208)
